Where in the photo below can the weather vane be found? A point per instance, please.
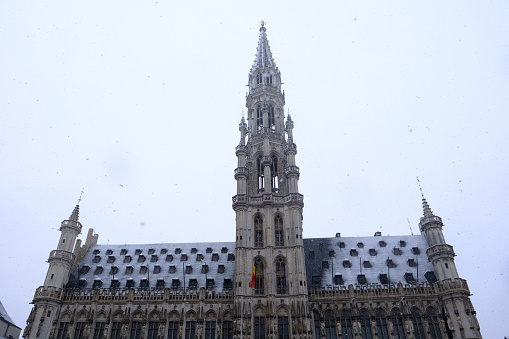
(79, 199)
(263, 23)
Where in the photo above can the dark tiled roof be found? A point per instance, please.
(348, 258)
(140, 264)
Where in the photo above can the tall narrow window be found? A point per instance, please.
(258, 231)
(316, 318)
(346, 326)
(99, 330)
(274, 174)
(259, 273)
(261, 174)
(278, 231)
(381, 325)
(227, 329)
(210, 330)
(78, 332)
(259, 328)
(418, 327)
(116, 330)
(136, 330)
(282, 328)
(173, 330)
(153, 328)
(280, 276)
(259, 118)
(434, 327)
(330, 326)
(62, 330)
(272, 121)
(397, 322)
(190, 329)
(258, 78)
(365, 325)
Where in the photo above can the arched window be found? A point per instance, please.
(259, 273)
(261, 174)
(280, 276)
(278, 231)
(381, 325)
(418, 327)
(258, 231)
(346, 325)
(316, 318)
(434, 326)
(269, 79)
(274, 174)
(365, 325)
(259, 118)
(397, 322)
(282, 327)
(258, 78)
(330, 326)
(272, 124)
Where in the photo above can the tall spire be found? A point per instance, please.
(75, 213)
(263, 58)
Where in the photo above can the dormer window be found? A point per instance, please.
(189, 269)
(199, 257)
(96, 259)
(164, 251)
(109, 252)
(208, 250)
(397, 251)
(114, 270)
(173, 269)
(153, 258)
(137, 252)
(204, 269)
(98, 270)
(96, 252)
(224, 250)
(390, 263)
(360, 245)
(129, 270)
(341, 244)
(354, 253)
(169, 257)
(178, 250)
(127, 259)
(215, 256)
(231, 257)
(143, 269)
(84, 269)
(409, 277)
(111, 259)
(338, 279)
(123, 251)
(141, 258)
(129, 283)
(220, 269)
(416, 250)
(412, 263)
(347, 264)
(183, 257)
(193, 284)
(151, 251)
(194, 250)
(372, 252)
(160, 283)
(157, 269)
(210, 284)
(382, 243)
(175, 284)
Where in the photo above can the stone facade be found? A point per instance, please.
(271, 282)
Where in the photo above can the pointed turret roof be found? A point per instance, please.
(263, 56)
(427, 210)
(75, 213)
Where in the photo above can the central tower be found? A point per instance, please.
(270, 271)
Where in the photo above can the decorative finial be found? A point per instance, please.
(262, 23)
(79, 199)
(420, 188)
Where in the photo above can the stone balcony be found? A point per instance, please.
(61, 255)
(440, 251)
(48, 293)
(293, 198)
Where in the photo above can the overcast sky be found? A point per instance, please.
(139, 104)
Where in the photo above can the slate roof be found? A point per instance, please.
(326, 258)
(5, 316)
(144, 260)
(349, 257)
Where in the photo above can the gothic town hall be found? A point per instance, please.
(268, 282)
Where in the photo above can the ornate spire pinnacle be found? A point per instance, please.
(75, 213)
(263, 58)
(427, 210)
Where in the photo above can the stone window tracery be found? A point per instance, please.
(280, 276)
(258, 231)
(330, 326)
(397, 322)
(278, 231)
(259, 276)
(346, 325)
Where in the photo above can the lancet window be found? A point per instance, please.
(280, 276)
(258, 231)
(418, 327)
(434, 327)
(274, 174)
(261, 174)
(259, 118)
(278, 231)
(346, 326)
(397, 322)
(272, 123)
(365, 325)
(259, 78)
(381, 325)
(330, 326)
(259, 279)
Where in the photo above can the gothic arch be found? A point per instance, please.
(155, 315)
(191, 315)
(210, 315)
(227, 315)
(82, 315)
(118, 315)
(174, 316)
(101, 315)
(137, 315)
(66, 316)
(282, 310)
(259, 311)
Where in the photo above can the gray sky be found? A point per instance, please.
(139, 103)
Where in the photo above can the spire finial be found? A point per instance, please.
(79, 199)
(427, 210)
(262, 23)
